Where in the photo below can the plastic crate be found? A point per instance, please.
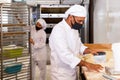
(13, 68)
(12, 52)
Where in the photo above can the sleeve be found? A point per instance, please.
(82, 48)
(58, 42)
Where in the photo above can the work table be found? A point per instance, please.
(92, 75)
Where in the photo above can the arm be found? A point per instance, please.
(82, 46)
(90, 66)
(31, 41)
(85, 50)
(90, 51)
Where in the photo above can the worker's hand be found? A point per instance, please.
(31, 41)
(91, 66)
(91, 51)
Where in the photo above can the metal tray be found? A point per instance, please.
(48, 1)
(70, 1)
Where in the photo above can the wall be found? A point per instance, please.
(106, 21)
(5, 1)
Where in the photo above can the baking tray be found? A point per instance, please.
(13, 68)
(11, 52)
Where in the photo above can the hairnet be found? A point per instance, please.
(42, 22)
(76, 10)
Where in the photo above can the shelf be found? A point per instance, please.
(14, 26)
(11, 25)
(54, 6)
(71, 1)
(48, 1)
(13, 33)
(52, 15)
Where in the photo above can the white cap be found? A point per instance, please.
(76, 10)
(42, 22)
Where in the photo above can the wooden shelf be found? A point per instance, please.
(11, 25)
(13, 33)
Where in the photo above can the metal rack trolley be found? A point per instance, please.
(14, 32)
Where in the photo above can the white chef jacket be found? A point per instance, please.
(39, 47)
(65, 45)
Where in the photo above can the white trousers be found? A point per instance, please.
(42, 68)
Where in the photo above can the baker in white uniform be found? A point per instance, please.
(38, 43)
(66, 44)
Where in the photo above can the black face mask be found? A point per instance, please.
(77, 26)
(37, 28)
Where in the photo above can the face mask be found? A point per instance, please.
(76, 25)
(37, 28)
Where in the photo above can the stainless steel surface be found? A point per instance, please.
(53, 13)
(70, 1)
(48, 1)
